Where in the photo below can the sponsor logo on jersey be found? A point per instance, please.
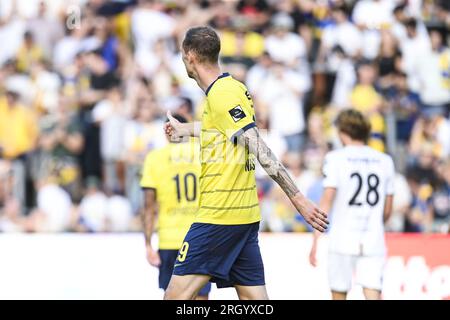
(237, 113)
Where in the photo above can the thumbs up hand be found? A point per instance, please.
(173, 128)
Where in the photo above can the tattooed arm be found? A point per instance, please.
(312, 214)
(148, 224)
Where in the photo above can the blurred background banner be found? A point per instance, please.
(418, 267)
(107, 266)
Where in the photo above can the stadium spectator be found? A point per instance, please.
(18, 127)
(119, 216)
(258, 72)
(141, 134)
(372, 16)
(440, 200)
(280, 95)
(432, 132)
(54, 207)
(345, 79)
(93, 208)
(18, 135)
(282, 44)
(11, 219)
(343, 34)
(68, 47)
(419, 215)
(150, 22)
(46, 30)
(257, 11)
(110, 113)
(414, 48)
(366, 99)
(433, 71)
(239, 44)
(29, 53)
(404, 106)
(388, 60)
(61, 142)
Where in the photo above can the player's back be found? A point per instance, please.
(173, 171)
(227, 182)
(362, 177)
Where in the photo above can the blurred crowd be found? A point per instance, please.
(85, 86)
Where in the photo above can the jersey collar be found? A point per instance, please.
(223, 75)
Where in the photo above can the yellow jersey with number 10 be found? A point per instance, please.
(228, 194)
(173, 172)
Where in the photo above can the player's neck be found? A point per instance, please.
(207, 75)
(355, 143)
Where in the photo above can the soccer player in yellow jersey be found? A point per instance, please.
(222, 244)
(170, 183)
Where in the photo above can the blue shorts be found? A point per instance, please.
(228, 253)
(168, 258)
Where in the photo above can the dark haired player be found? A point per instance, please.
(222, 243)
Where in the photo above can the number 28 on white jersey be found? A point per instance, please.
(362, 178)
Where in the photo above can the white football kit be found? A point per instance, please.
(362, 177)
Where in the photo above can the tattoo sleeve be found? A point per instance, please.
(274, 168)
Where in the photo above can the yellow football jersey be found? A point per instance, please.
(173, 172)
(227, 182)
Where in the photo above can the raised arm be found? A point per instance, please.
(312, 214)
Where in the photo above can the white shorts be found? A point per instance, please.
(368, 271)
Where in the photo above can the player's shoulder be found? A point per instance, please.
(156, 153)
(334, 154)
(365, 151)
(388, 161)
(380, 155)
(383, 159)
(226, 86)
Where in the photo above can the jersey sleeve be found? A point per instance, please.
(390, 178)
(330, 172)
(148, 180)
(231, 115)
